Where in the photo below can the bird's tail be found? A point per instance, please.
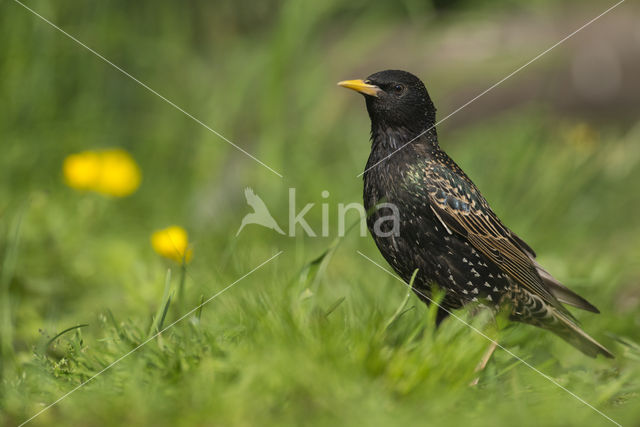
(568, 330)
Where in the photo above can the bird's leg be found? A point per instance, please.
(485, 359)
(487, 355)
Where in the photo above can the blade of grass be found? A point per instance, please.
(199, 312)
(334, 306)
(311, 273)
(58, 335)
(400, 310)
(6, 276)
(183, 277)
(161, 313)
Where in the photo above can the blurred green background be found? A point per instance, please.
(555, 149)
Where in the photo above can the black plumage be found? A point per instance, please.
(446, 229)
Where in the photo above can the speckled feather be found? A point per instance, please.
(447, 229)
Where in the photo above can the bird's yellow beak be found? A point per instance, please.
(360, 86)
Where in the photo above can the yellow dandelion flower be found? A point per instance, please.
(81, 170)
(172, 243)
(111, 172)
(119, 173)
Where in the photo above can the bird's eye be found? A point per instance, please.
(398, 88)
(368, 82)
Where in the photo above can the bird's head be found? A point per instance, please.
(395, 99)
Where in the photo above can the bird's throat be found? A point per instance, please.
(395, 137)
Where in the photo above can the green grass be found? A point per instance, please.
(319, 335)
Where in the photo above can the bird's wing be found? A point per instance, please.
(461, 208)
(249, 194)
(253, 200)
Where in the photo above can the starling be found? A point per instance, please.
(443, 226)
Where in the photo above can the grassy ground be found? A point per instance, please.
(297, 341)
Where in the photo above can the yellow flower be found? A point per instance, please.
(119, 173)
(173, 243)
(111, 172)
(81, 170)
